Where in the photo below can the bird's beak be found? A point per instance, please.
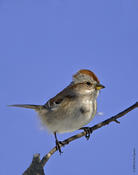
(99, 86)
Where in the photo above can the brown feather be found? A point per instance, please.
(87, 72)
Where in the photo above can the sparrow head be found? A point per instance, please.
(87, 81)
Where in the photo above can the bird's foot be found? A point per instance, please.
(88, 132)
(59, 144)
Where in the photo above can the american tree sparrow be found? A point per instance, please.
(72, 108)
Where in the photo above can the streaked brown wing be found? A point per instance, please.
(59, 98)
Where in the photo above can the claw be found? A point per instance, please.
(58, 144)
(88, 132)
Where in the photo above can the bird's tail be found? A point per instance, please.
(36, 107)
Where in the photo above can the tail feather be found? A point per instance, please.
(36, 107)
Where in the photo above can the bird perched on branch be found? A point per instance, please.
(72, 108)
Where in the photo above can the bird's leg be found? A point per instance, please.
(88, 132)
(58, 143)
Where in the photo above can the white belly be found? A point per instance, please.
(69, 120)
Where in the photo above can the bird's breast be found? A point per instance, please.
(76, 114)
(87, 110)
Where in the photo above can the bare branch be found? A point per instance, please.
(77, 136)
(99, 125)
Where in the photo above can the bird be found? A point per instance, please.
(72, 108)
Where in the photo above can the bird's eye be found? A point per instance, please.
(88, 83)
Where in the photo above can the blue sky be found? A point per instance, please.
(42, 44)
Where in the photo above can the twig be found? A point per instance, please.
(77, 136)
(99, 125)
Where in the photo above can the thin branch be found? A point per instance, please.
(36, 167)
(77, 136)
